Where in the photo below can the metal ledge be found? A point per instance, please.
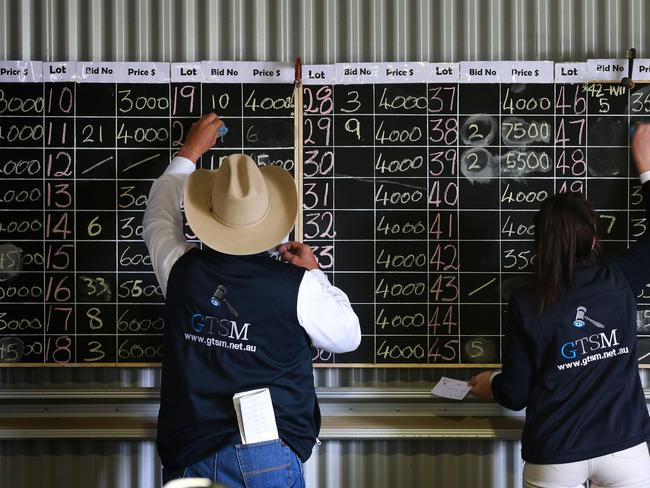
(147, 394)
(139, 394)
(89, 394)
(324, 393)
(348, 413)
(47, 427)
(376, 427)
(350, 428)
(333, 401)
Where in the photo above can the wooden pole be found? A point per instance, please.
(297, 148)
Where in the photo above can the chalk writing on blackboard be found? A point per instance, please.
(421, 181)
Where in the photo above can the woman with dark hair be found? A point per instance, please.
(569, 351)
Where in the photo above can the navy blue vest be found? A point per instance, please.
(586, 399)
(245, 337)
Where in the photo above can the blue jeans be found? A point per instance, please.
(261, 465)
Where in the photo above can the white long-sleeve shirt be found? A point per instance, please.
(323, 310)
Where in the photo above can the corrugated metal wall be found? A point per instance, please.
(350, 464)
(319, 31)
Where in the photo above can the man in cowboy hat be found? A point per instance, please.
(237, 319)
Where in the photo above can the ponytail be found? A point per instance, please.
(565, 227)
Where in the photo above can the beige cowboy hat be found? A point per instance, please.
(240, 208)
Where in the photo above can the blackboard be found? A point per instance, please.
(78, 153)
(420, 184)
(423, 180)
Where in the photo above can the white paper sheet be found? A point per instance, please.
(450, 388)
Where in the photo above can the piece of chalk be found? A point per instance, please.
(634, 126)
(222, 130)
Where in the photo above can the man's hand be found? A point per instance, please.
(201, 137)
(641, 147)
(298, 254)
(481, 386)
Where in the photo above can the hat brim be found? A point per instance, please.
(264, 235)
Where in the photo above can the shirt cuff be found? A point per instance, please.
(180, 165)
(645, 176)
(320, 276)
(493, 375)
